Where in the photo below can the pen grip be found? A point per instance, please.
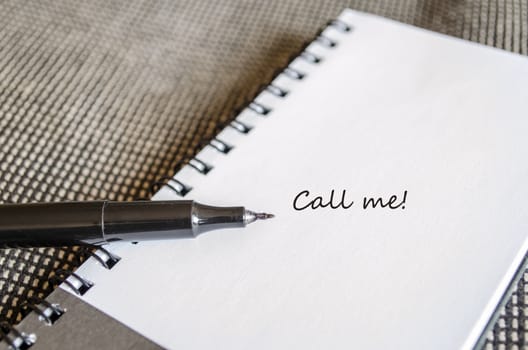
(51, 224)
(148, 220)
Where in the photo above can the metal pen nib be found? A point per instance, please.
(251, 216)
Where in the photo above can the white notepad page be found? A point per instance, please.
(390, 108)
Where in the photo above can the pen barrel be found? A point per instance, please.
(50, 224)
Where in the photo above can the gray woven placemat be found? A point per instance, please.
(99, 99)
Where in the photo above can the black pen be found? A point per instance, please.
(99, 222)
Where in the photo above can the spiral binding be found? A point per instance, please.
(49, 313)
(46, 311)
(15, 339)
(180, 188)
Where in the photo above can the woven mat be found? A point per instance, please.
(98, 99)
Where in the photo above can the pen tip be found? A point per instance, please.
(264, 216)
(250, 216)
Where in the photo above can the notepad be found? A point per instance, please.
(374, 108)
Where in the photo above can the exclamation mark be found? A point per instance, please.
(404, 199)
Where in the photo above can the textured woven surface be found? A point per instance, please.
(99, 99)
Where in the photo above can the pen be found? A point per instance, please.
(99, 222)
